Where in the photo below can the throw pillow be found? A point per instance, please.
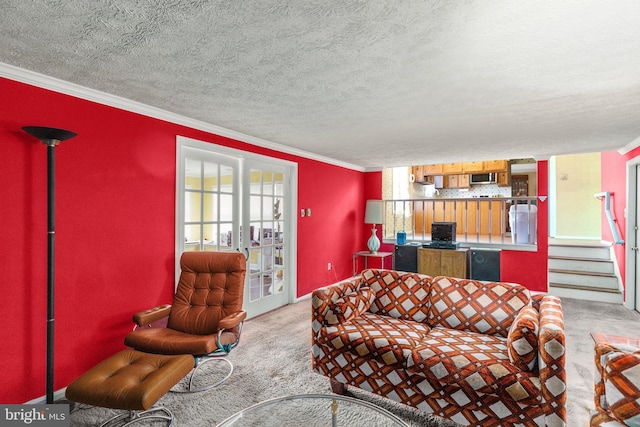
(349, 306)
(476, 306)
(398, 294)
(522, 341)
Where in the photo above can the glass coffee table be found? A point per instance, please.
(314, 410)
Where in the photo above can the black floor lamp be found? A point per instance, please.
(50, 137)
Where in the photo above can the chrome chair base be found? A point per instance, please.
(199, 364)
(132, 417)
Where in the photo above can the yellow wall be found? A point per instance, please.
(578, 212)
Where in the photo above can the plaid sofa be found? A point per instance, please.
(617, 386)
(477, 353)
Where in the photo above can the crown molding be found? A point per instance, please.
(630, 146)
(57, 85)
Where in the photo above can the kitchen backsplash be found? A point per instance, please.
(419, 191)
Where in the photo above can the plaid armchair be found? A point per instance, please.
(617, 386)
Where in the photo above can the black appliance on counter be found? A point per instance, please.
(443, 236)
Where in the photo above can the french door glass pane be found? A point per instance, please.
(226, 240)
(210, 206)
(192, 174)
(226, 207)
(255, 204)
(192, 237)
(267, 284)
(267, 208)
(211, 176)
(210, 233)
(226, 179)
(278, 284)
(192, 206)
(278, 183)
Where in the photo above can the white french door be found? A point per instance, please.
(227, 200)
(264, 199)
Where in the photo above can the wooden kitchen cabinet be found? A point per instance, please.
(503, 179)
(495, 165)
(418, 173)
(456, 181)
(472, 167)
(449, 168)
(432, 169)
(443, 262)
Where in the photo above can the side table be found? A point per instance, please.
(615, 339)
(366, 255)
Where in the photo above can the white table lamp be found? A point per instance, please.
(373, 215)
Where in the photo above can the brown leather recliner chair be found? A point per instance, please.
(206, 317)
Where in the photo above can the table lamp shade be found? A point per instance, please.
(373, 212)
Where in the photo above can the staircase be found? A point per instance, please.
(583, 270)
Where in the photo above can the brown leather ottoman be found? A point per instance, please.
(130, 380)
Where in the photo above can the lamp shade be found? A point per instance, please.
(373, 212)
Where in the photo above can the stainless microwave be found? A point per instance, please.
(483, 178)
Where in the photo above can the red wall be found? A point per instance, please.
(614, 179)
(530, 268)
(115, 221)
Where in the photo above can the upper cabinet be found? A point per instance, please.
(495, 165)
(451, 168)
(472, 167)
(460, 168)
(457, 174)
(432, 169)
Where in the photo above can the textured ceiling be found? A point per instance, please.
(371, 83)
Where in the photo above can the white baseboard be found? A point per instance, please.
(57, 395)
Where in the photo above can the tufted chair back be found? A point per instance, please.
(210, 287)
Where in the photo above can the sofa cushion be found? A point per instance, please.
(476, 306)
(475, 362)
(398, 294)
(522, 341)
(349, 306)
(387, 339)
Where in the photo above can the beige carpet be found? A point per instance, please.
(273, 360)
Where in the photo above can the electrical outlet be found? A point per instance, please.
(329, 266)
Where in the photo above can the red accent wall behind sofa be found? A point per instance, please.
(115, 221)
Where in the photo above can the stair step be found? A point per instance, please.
(572, 251)
(580, 278)
(576, 292)
(583, 288)
(599, 266)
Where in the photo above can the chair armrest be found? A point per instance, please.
(552, 352)
(151, 315)
(232, 320)
(613, 360)
(323, 298)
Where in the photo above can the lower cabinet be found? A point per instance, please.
(443, 262)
